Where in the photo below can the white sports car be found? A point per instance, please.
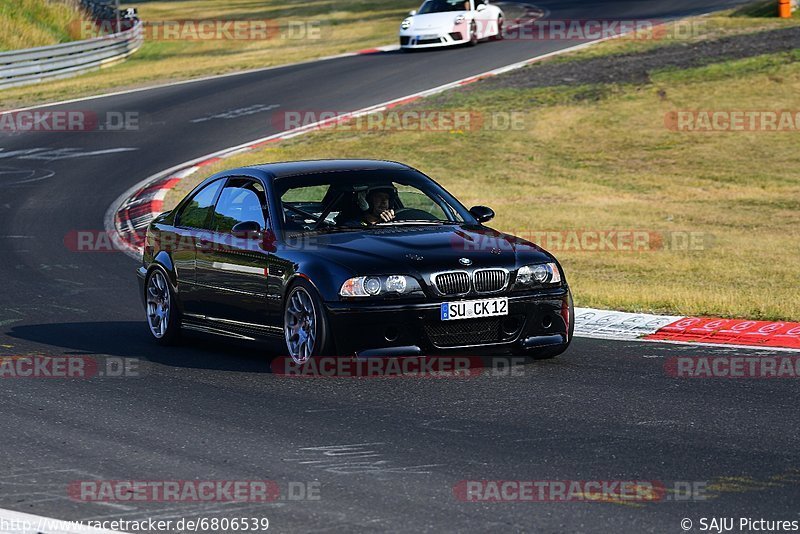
(451, 22)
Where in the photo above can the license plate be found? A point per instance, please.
(474, 309)
(426, 37)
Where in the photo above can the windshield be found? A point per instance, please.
(441, 6)
(363, 199)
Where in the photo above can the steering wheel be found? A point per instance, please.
(413, 214)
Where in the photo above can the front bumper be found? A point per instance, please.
(141, 274)
(433, 39)
(377, 329)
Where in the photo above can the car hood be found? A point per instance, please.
(419, 250)
(435, 21)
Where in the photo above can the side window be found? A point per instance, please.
(242, 200)
(195, 213)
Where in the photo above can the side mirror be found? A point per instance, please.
(412, 12)
(246, 230)
(482, 213)
(268, 241)
(480, 7)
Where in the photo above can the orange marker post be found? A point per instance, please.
(785, 9)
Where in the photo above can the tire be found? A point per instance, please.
(162, 310)
(499, 36)
(304, 319)
(473, 34)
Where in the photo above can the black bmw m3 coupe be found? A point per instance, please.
(349, 258)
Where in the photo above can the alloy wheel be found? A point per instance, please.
(300, 325)
(158, 304)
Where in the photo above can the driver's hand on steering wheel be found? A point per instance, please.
(386, 216)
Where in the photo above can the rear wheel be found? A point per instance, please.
(305, 324)
(163, 315)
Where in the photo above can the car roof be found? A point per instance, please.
(295, 168)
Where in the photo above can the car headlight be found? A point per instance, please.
(396, 284)
(406, 24)
(460, 19)
(539, 274)
(370, 286)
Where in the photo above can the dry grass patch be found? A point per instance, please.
(32, 23)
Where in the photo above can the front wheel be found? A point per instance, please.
(305, 324)
(163, 315)
(473, 34)
(499, 36)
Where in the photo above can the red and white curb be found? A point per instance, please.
(604, 324)
(618, 325)
(377, 50)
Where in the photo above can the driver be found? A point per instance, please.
(376, 205)
(379, 206)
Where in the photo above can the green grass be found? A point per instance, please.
(343, 26)
(749, 18)
(31, 23)
(601, 158)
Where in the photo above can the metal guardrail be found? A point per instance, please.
(33, 65)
